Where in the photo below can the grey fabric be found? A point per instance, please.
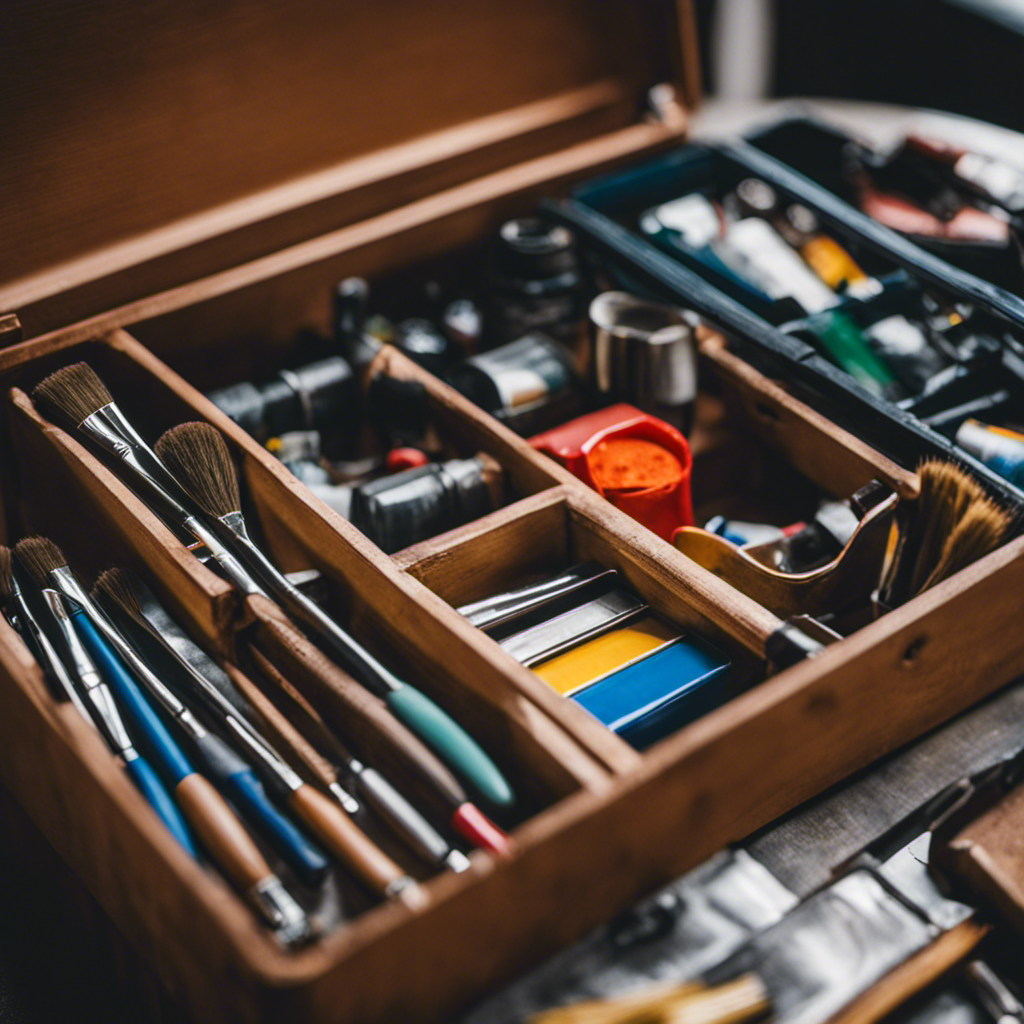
(725, 901)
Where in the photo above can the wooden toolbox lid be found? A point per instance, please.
(138, 131)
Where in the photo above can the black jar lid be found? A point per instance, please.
(530, 248)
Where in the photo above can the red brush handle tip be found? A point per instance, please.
(471, 823)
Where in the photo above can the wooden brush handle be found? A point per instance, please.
(362, 719)
(221, 833)
(289, 735)
(340, 835)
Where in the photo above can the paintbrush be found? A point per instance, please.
(77, 665)
(951, 524)
(117, 591)
(204, 808)
(231, 773)
(743, 999)
(76, 394)
(368, 782)
(23, 619)
(198, 456)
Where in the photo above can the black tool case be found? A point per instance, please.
(605, 212)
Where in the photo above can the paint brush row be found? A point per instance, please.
(134, 608)
(190, 480)
(100, 666)
(110, 651)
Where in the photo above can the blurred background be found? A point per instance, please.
(961, 56)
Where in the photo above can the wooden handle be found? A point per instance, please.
(221, 833)
(296, 729)
(336, 830)
(362, 720)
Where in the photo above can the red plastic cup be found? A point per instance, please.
(580, 445)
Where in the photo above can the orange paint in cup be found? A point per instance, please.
(633, 464)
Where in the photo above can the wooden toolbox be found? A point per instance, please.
(187, 184)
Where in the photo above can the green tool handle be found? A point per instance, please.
(450, 742)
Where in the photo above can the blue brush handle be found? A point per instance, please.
(149, 785)
(144, 724)
(239, 783)
(248, 794)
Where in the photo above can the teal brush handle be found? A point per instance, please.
(420, 714)
(450, 742)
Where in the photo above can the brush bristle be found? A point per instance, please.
(116, 586)
(39, 556)
(75, 392)
(980, 531)
(6, 574)
(198, 456)
(947, 492)
(950, 525)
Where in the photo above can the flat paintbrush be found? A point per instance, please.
(116, 590)
(77, 395)
(204, 808)
(197, 455)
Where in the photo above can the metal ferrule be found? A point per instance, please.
(400, 885)
(82, 665)
(279, 909)
(457, 861)
(53, 666)
(100, 699)
(66, 582)
(112, 432)
(231, 567)
(405, 819)
(348, 802)
(106, 427)
(112, 429)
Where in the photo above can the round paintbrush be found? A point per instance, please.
(103, 711)
(76, 395)
(21, 616)
(197, 454)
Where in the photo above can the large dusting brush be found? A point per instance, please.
(951, 525)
